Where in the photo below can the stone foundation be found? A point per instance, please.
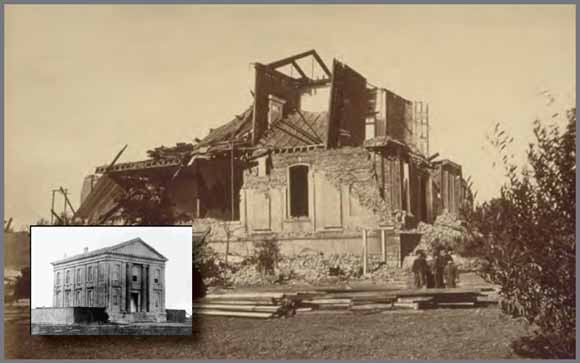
(140, 317)
(175, 316)
(70, 315)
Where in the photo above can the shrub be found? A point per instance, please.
(266, 255)
(527, 236)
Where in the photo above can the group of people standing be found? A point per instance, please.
(439, 272)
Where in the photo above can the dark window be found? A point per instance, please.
(299, 191)
(134, 278)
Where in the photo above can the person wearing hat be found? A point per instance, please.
(420, 269)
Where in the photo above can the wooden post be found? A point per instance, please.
(427, 126)
(64, 192)
(365, 252)
(52, 208)
(231, 202)
(384, 245)
(67, 201)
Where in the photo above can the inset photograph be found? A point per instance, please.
(111, 280)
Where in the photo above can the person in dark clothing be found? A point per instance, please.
(430, 278)
(451, 275)
(447, 256)
(437, 268)
(420, 269)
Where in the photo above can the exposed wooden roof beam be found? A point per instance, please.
(299, 70)
(321, 63)
(288, 60)
(292, 59)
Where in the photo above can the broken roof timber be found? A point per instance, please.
(384, 141)
(299, 70)
(138, 165)
(447, 162)
(292, 60)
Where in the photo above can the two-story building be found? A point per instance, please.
(317, 158)
(128, 279)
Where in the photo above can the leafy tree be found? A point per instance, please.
(527, 236)
(147, 202)
(22, 287)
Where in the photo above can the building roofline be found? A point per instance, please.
(108, 250)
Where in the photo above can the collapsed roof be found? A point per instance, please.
(358, 114)
(353, 101)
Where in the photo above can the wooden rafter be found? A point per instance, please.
(292, 60)
(298, 69)
(321, 64)
(310, 126)
(314, 138)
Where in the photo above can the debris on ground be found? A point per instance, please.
(265, 305)
(444, 232)
(314, 269)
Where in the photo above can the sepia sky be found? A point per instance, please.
(81, 81)
(49, 244)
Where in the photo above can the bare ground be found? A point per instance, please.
(483, 333)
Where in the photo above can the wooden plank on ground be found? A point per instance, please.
(262, 309)
(240, 314)
(327, 301)
(249, 295)
(267, 302)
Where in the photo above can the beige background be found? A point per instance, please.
(83, 80)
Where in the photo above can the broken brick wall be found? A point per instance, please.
(349, 189)
(343, 193)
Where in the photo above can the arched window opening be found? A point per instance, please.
(298, 191)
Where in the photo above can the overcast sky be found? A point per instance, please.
(82, 81)
(49, 244)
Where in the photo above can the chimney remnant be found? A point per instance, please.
(275, 109)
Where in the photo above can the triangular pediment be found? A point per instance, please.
(137, 248)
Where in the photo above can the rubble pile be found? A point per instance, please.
(314, 268)
(445, 232)
(448, 232)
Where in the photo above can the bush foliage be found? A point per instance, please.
(266, 255)
(527, 236)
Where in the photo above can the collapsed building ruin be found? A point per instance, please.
(315, 160)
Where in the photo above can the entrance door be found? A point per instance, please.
(134, 302)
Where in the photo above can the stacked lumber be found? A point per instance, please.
(246, 305)
(357, 300)
(377, 300)
(267, 305)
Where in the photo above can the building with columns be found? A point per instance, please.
(127, 279)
